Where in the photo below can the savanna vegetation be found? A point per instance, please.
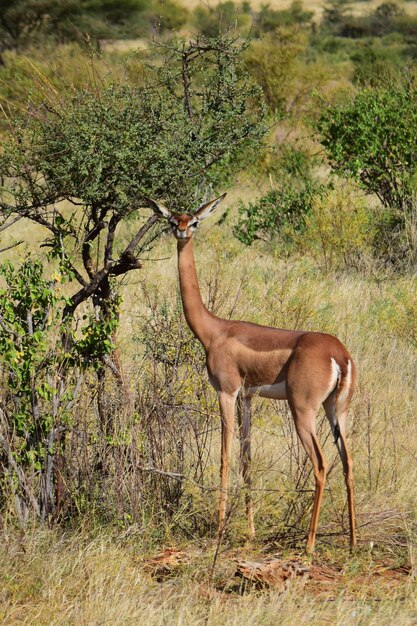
(109, 429)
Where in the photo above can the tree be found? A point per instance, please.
(373, 139)
(82, 163)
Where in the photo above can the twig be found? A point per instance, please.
(13, 245)
(154, 470)
(220, 535)
(413, 456)
(6, 225)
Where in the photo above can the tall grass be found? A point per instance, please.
(153, 481)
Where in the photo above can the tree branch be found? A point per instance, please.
(108, 251)
(86, 248)
(127, 261)
(186, 81)
(4, 226)
(140, 234)
(13, 245)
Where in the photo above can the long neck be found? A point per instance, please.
(202, 323)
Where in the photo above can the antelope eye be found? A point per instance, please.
(193, 225)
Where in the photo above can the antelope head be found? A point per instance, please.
(184, 225)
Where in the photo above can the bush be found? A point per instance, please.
(272, 62)
(373, 140)
(330, 223)
(374, 66)
(37, 389)
(212, 20)
(175, 407)
(334, 15)
(280, 213)
(406, 25)
(167, 15)
(383, 20)
(395, 239)
(29, 21)
(399, 313)
(338, 20)
(288, 70)
(338, 230)
(268, 19)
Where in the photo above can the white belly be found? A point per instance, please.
(277, 391)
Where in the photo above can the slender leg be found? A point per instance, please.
(244, 420)
(342, 447)
(305, 423)
(348, 471)
(227, 411)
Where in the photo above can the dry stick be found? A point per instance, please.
(218, 544)
(409, 452)
(13, 464)
(154, 470)
(182, 477)
(13, 245)
(369, 442)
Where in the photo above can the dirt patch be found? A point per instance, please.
(381, 577)
(236, 573)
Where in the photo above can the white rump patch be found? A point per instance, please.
(278, 391)
(336, 374)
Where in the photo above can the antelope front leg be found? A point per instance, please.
(227, 412)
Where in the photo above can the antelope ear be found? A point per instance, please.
(159, 209)
(205, 209)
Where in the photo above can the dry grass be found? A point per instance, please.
(89, 578)
(47, 578)
(261, 287)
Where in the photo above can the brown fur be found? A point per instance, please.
(306, 368)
